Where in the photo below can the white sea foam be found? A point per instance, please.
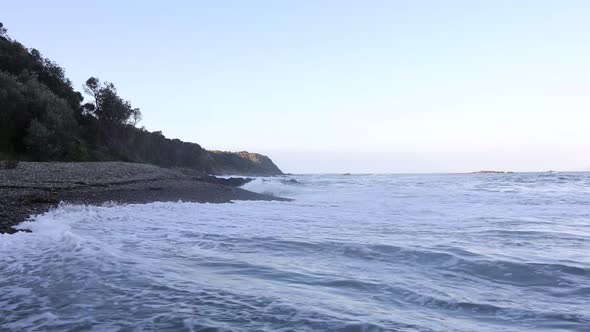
(351, 253)
(277, 187)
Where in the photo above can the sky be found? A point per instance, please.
(340, 86)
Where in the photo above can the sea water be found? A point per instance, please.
(496, 252)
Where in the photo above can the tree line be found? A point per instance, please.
(43, 118)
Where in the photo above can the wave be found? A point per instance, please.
(350, 253)
(276, 186)
(401, 295)
(460, 263)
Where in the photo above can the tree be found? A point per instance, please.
(35, 122)
(108, 106)
(2, 30)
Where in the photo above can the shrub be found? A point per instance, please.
(8, 164)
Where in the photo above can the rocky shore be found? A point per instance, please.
(33, 188)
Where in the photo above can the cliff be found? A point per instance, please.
(242, 163)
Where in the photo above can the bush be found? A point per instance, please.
(8, 164)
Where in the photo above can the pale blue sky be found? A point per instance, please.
(340, 86)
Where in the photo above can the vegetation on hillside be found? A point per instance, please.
(43, 118)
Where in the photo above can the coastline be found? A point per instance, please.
(35, 187)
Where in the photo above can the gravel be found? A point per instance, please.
(34, 187)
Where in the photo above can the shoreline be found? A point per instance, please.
(35, 187)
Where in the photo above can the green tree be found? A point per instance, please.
(34, 122)
(108, 106)
(14, 115)
(2, 30)
(53, 131)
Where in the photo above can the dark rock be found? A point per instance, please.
(231, 182)
(290, 181)
(43, 200)
(235, 182)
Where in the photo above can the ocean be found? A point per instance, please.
(435, 252)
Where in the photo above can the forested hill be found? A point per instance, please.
(43, 118)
